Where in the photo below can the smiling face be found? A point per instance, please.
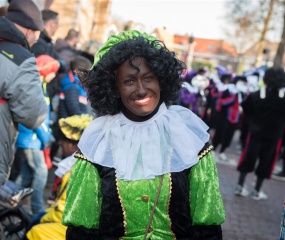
(139, 91)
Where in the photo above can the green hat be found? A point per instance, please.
(115, 39)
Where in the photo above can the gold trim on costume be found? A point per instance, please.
(168, 203)
(122, 205)
(205, 152)
(80, 155)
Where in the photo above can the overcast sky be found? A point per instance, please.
(202, 18)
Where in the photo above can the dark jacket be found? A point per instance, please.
(266, 116)
(21, 96)
(45, 46)
(73, 97)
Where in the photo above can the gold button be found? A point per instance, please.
(150, 229)
(144, 198)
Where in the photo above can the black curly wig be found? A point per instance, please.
(100, 82)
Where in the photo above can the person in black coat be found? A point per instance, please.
(45, 46)
(265, 110)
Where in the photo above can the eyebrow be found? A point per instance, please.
(134, 74)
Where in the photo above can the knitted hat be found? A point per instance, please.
(73, 127)
(26, 14)
(46, 64)
(121, 37)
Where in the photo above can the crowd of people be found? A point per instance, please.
(64, 97)
(39, 86)
(248, 103)
(251, 104)
(132, 129)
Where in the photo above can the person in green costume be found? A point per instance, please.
(144, 169)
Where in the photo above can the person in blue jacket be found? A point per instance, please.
(73, 97)
(33, 171)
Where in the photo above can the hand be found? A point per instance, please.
(48, 78)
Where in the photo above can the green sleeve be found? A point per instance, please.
(83, 199)
(206, 205)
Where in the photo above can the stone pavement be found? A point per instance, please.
(247, 219)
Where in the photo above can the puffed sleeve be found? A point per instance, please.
(83, 199)
(206, 205)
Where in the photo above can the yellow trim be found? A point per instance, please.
(80, 155)
(168, 204)
(122, 205)
(204, 153)
(45, 87)
(8, 55)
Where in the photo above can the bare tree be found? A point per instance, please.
(262, 39)
(242, 28)
(280, 50)
(249, 23)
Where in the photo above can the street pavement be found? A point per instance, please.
(248, 219)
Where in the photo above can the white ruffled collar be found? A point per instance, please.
(168, 142)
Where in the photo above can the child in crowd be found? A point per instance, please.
(49, 223)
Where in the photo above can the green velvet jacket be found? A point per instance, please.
(100, 206)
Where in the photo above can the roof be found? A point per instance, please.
(208, 46)
(214, 47)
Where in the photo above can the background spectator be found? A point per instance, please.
(33, 145)
(265, 110)
(21, 98)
